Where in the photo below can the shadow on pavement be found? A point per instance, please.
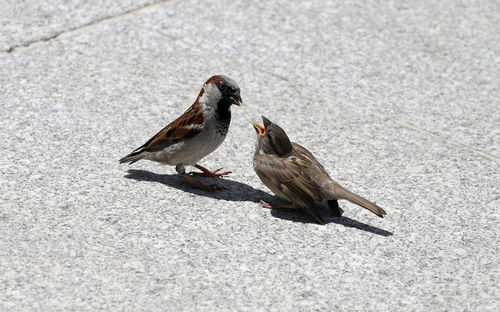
(237, 191)
(301, 216)
(233, 190)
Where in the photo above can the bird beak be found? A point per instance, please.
(260, 129)
(237, 99)
(266, 121)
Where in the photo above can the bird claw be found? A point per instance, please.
(211, 174)
(263, 204)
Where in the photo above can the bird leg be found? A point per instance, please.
(198, 184)
(263, 204)
(207, 173)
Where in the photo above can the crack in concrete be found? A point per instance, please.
(30, 43)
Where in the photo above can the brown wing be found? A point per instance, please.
(290, 177)
(186, 126)
(304, 153)
(189, 124)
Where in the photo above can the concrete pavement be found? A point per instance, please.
(398, 101)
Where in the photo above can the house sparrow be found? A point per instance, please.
(196, 133)
(292, 173)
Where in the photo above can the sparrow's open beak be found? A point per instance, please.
(260, 129)
(237, 99)
(266, 121)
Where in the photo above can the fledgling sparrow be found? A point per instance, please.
(292, 173)
(196, 133)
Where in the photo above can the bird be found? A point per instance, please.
(292, 172)
(194, 134)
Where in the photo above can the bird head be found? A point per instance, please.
(271, 139)
(220, 92)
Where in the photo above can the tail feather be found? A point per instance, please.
(344, 193)
(134, 156)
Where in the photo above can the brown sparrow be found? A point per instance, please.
(292, 173)
(196, 133)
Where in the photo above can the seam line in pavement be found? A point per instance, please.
(319, 92)
(72, 30)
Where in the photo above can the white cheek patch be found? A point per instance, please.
(211, 96)
(209, 100)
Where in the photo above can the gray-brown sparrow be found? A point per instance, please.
(292, 173)
(196, 133)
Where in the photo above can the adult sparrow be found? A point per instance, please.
(292, 173)
(196, 133)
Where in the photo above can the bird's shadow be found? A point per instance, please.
(232, 190)
(237, 191)
(300, 216)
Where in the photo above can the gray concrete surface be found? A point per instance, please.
(408, 62)
(23, 22)
(80, 232)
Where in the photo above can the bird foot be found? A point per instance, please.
(263, 204)
(207, 173)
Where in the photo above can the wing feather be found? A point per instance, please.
(186, 126)
(291, 176)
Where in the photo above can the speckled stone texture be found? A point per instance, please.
(23, 22)
(432, 64)
(80, 232)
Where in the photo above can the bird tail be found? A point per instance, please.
(136, 155)
(343, 193)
